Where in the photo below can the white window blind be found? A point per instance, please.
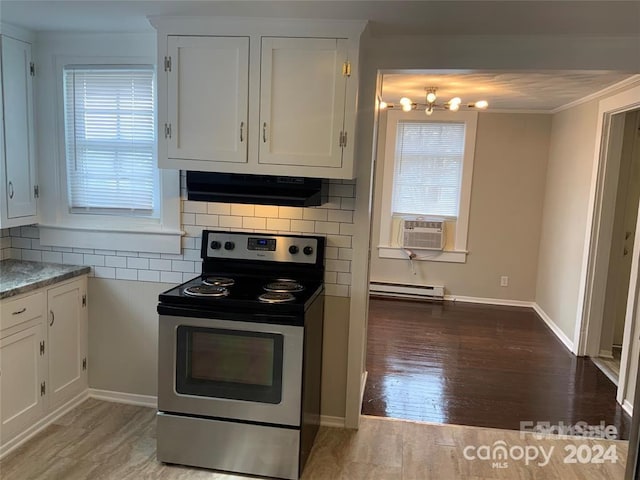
(110, 140)
(428, 168)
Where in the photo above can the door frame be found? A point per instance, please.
(599, 228)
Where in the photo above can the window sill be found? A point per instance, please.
(451, 256)
(154, 240)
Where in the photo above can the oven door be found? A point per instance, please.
(230, 369)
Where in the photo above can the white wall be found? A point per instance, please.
(505, 216)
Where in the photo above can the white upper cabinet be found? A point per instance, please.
(302, 101)
(18, 194)
(208, 88)
(258, 96)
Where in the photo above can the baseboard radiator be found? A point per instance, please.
(398, 290)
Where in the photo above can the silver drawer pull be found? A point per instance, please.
(264, 132)
(11, 190)
(53, 318)
(241, 132)
(20, 311)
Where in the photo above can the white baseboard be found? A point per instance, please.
(363, 383)
(606, 354)
(41, 424)
(489, 301)
(554, 327)
(121, 397)
(329, 421)
(606, 370)
(627, 406)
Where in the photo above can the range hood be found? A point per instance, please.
(256, 189)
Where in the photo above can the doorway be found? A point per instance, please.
(625, 133)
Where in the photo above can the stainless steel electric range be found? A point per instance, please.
(240, 356)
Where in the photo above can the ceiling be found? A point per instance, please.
(536, 91)
(448, 17)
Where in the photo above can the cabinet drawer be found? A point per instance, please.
(15, 312)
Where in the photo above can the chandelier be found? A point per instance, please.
(431, 103)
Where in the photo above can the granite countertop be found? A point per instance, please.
(21, 276)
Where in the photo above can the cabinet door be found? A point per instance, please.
(302, 101)
(208, 98)
(19, 147)
(21, 380)
(67, 341)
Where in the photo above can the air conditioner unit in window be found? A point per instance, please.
(422, 233)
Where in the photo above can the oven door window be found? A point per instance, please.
(230, 364)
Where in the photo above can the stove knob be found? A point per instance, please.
(215, 245)
(307, 250)
(229, 245)
(293, 249)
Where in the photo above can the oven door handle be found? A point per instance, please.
(182, 311)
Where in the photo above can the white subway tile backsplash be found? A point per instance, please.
(266, 211)
(327, 227)
(303, 226)
(337, 265)
(219, 208)
(290, 212)
(334, 220)
(189, 218)
(254, 223)
(19, 242)
(314, 214)
(230, 222)
(73, 258)
(148, 276)
(189, 206)
(95, 260)
(207, 220)
(138, 263)
(182, 266)
(279, 224)
(241, 210)
(32, 255)
(160, 264)
(104, 272)
(52, 257)
(111, 261)
(126, 274)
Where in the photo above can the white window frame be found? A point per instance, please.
(110, 232)
(459, 252)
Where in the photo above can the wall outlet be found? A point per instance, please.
(504, 281)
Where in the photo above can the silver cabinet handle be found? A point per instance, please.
(264, 132)
(53, 318)
(241, 132)
(20, 311)
(11, 190)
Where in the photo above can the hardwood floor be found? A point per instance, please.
(110, 441)
(481, 365)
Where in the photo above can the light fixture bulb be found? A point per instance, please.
(405, 101)
(455, 100)
(431, 97)
(407, 107)
(454, 107)
(481, 104)
(428, 110)
(382, 105)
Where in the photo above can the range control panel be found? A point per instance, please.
(258, 246)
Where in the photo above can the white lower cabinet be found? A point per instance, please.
(43, 355)
(22, 380)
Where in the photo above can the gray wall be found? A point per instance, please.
(505, 216)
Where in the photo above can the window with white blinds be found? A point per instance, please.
(110, 140)
(428, 168)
